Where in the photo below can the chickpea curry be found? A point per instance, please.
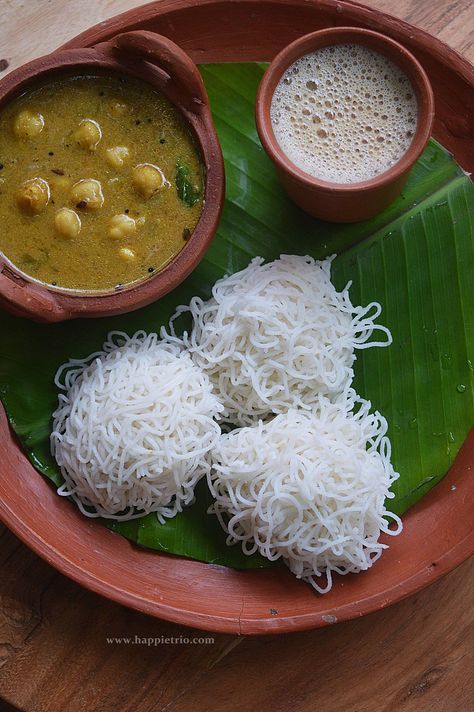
(101, 183)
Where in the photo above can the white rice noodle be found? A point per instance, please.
(308, 487)
(133, 427)
(275, 336)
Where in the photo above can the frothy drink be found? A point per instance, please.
(344, 113)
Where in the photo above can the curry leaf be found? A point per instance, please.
(187, 192)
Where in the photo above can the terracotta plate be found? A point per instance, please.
(438, 532)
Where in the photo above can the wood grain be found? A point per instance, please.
(413, 657)
(54, 655)
(30, 28)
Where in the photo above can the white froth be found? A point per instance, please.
(344, 113)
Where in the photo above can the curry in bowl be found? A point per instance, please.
(101, 182)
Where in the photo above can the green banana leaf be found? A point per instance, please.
(416, 258)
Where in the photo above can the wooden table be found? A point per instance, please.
(63, 649)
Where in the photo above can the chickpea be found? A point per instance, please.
(88, 134)
(147, 179)
(121, 226)
(33, 196)
(117, 156)
(117, 107)
(28, 124)
(127, 254)
(67, 223)
(87, 194)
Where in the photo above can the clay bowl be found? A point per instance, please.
(344, 202)
(162, 64)
(438, 533)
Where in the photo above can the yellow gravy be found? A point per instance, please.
(101, 183)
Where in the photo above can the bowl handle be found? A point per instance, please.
(170, 58)
(34, 302)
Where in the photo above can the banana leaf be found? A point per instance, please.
(416, 258)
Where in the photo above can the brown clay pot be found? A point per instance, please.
(162, 64)
(344, 202)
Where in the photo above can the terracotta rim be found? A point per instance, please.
(97, 558)
(25, 296)
(335, 36)
(211, 597)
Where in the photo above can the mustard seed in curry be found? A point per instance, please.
(101, 182)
